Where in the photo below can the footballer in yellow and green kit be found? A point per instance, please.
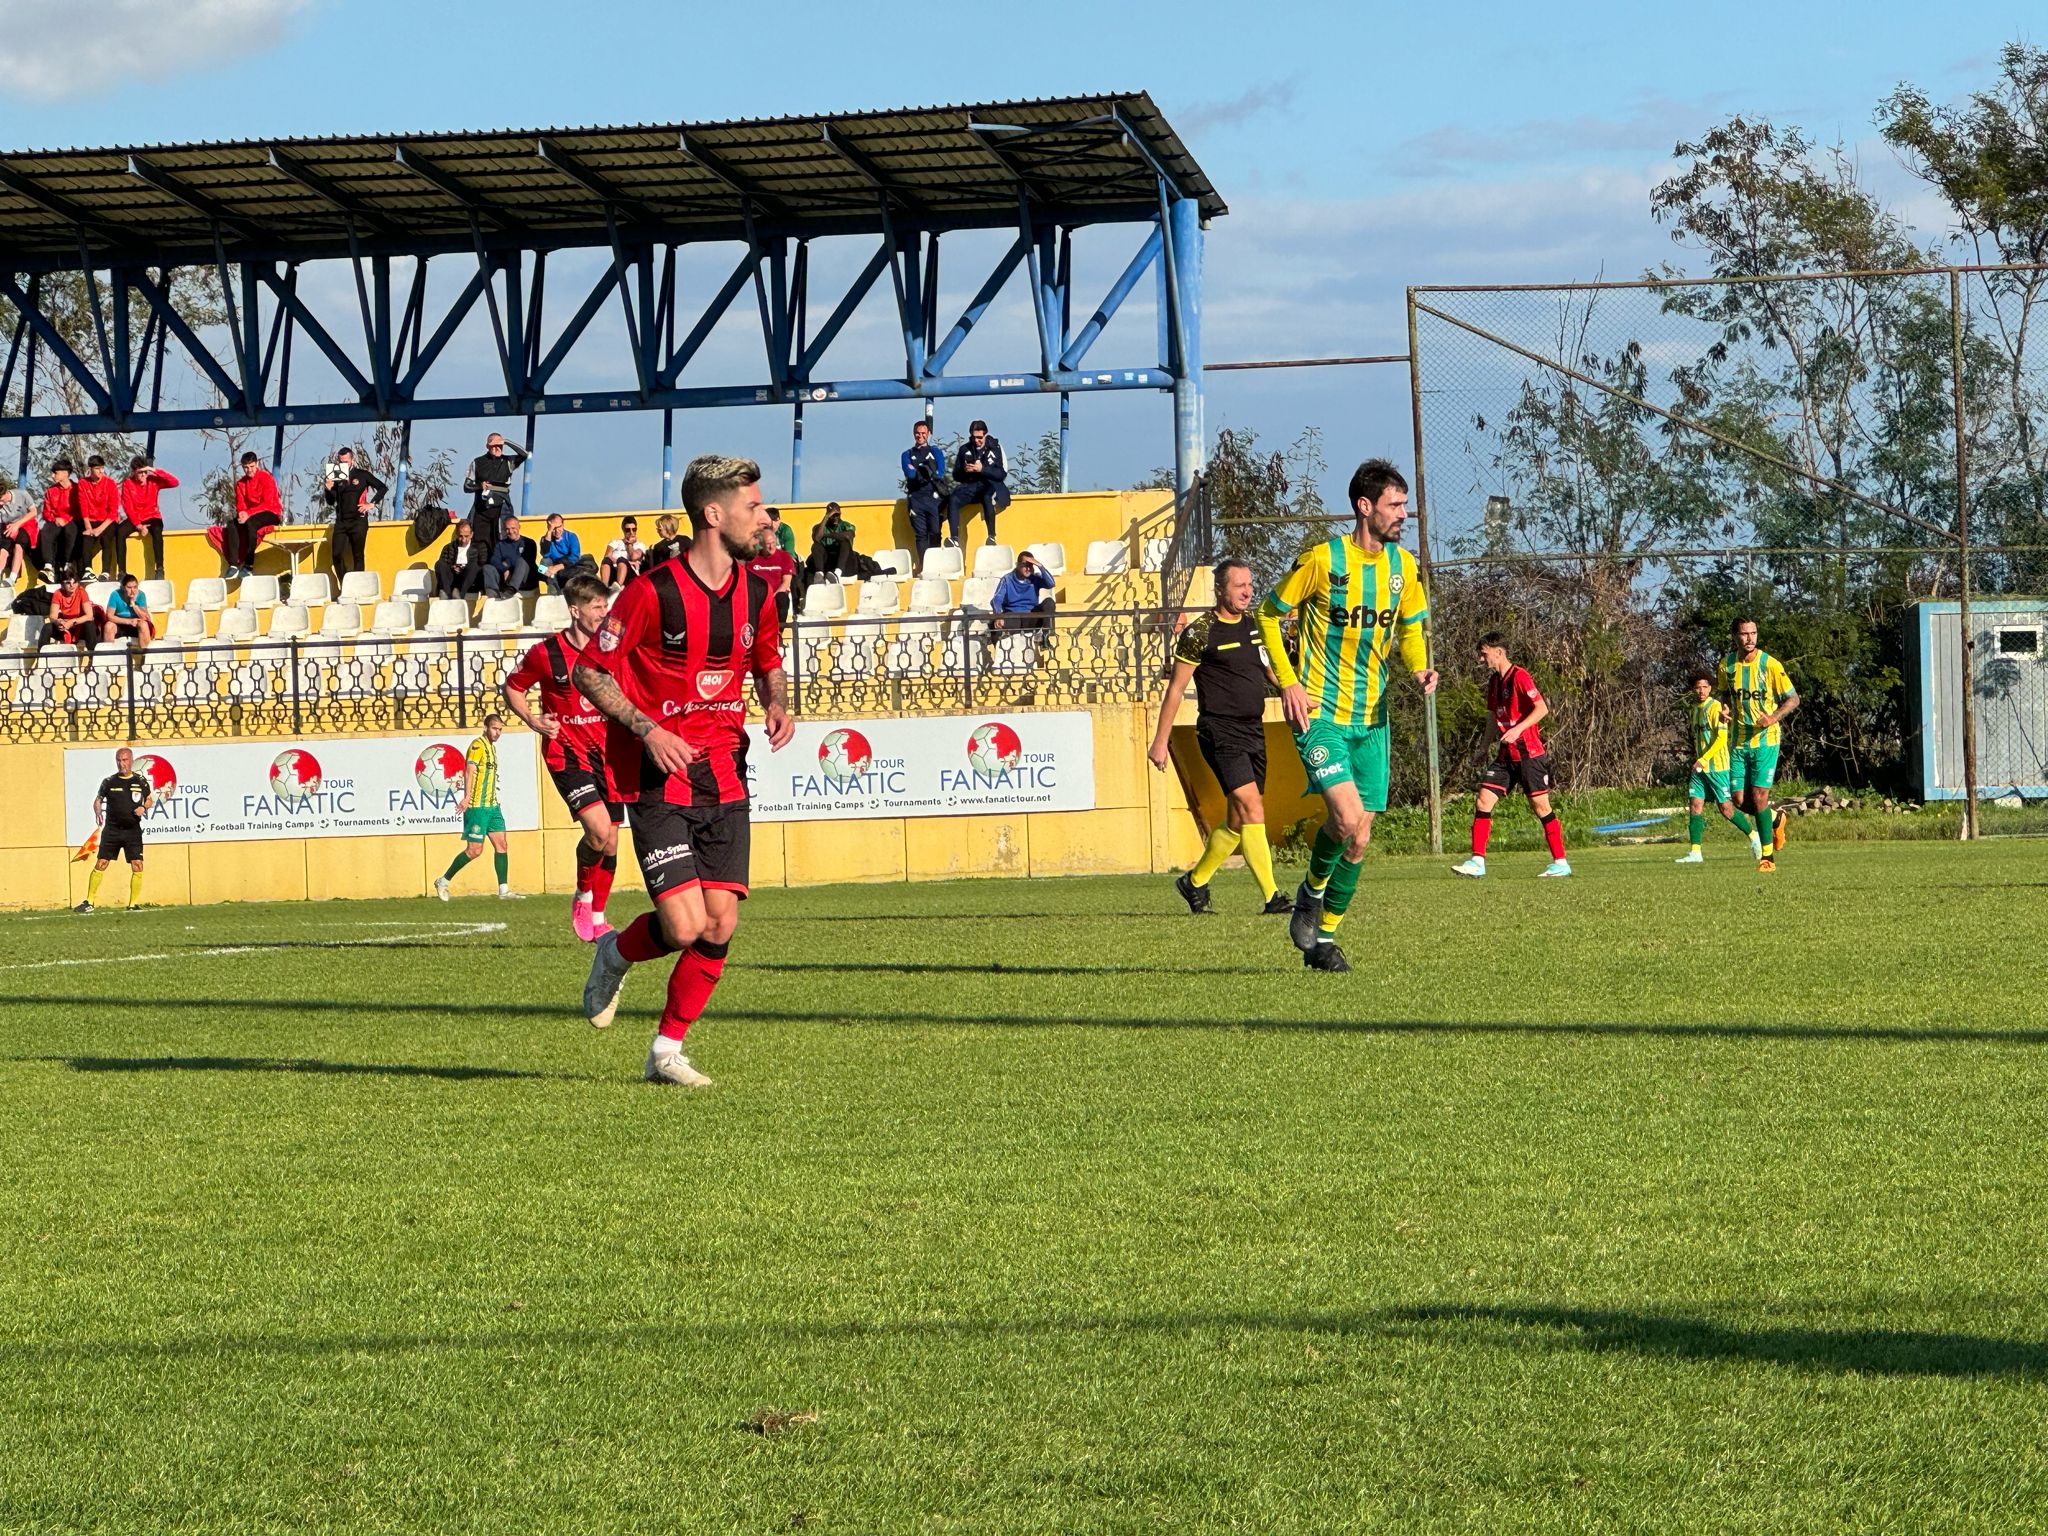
(1760, 695)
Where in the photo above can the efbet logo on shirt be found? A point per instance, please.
(844, 755)
(1361, 618)
(440, 770)
(295, 776)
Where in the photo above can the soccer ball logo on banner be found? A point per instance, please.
(295, 775)
(844, 755)
(440, 769)
(993, 748)
(163, 779)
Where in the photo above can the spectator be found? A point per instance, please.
(350, 493)
(978, 476)
(560, 552)
(460, 570)
(62, 545)
(784, 534)
(490, 481)
(127, 614)
(257, 511)
(624, 556)
(18, 532)
(140, 512)
(670, 544)
(74, 618)
(514, 563)
(778, 569)
(924, 484)
(99, 518)
(831, 547)
(1023, 598)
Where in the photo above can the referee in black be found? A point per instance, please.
(118, 807)
(1220, 651)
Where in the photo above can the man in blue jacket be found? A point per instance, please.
(978, 476)
(513, 565)
(560, 551)
(924, 476)
(1023, 598)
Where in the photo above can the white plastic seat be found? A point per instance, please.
(99, 591)
(1155, 554)
(994, 559)
(878, 599)
(258, 592)
(824, 600)
(313, 589)
(341, 621)
(1014, 651)
(896, 562)
(1052, 556)
(362, 587)
(236, 625)
(23, 633)
(413, 584)
(185, 624)
(945, 562)
(446, 616)
(208, 594)
(930, 595)
(978, 593)
(288, 620)
(394, 616)
(109, 658)
(551, 612)
(158, 595)
(1108, 557)
(503, 615)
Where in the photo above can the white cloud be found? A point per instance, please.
(132, 39)
(1652, 127)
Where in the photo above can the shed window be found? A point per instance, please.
(2016, 641)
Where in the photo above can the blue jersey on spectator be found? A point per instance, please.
(121, 608)
(1020, 594)
(568, 548)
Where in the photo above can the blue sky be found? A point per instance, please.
(1361, 148)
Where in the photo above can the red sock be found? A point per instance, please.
(641, 940)
(1554, 830)
(689, 988)
(1482, 828)
(601, 883)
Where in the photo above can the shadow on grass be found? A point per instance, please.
(1863, 1352)
(569, 1009)
(1851, 1351)
(452, 1074)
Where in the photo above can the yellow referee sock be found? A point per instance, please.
(1222, 844)
(92, 883)
(1258, 857)
(135, 888)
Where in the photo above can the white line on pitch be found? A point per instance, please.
(440, 931)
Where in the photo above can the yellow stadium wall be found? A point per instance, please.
(1141, 823)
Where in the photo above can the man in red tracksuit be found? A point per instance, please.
(258, 509)
(140, 512)
(62, 545)
(99, 515)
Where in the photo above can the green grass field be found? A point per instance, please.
(1656, 1200)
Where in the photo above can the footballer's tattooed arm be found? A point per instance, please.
(669, 752)
(773, 689)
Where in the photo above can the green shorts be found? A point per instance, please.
(1754, 768)
(480, 821)
(1712, 787)
(1346, 754)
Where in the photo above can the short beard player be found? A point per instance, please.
(574, 733)
(1518, 710)
(666, 669)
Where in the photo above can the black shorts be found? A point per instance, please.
(583, 784)
(684, 845)
(124, 843)
(1531, 775)
(1235, 751)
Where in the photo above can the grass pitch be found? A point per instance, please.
(1659, 1199)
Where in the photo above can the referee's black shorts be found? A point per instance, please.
(123, 843)
(1235, 750)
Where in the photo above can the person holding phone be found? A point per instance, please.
(979, 479)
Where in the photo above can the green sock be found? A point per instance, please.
(1743, 824)
(1698, 825)
(501, 862)
(1222, 843)
(1258, 857)
(1763, 828)
(1337, 900)
(1323, 858)
(456, 868)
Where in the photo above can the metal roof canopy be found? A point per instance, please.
(253, 211)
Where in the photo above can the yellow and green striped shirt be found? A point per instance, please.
(1756, 687)
(1352, 607)
(483, 757)
(1710, 735)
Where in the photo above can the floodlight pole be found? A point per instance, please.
(1184, 244)
(1435, 774)
(1955, 309)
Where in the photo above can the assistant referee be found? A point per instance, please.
(118, 807)
(1220, 651)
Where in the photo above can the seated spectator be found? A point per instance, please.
(460, 570)
(979, 474)
(832, 548)
(17, 536)
(99, 518)
(784, 534)
(924, 487)
(74, 618)
(560, 552)
(778, 569)
(257, 510)
(127, 614)
(624, 556)
(1023, 598)
(61, 547)
(514, 565)
(669, 543)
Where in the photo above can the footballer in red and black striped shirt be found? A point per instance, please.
(667, 668)
(573, 732)
(1518, 709)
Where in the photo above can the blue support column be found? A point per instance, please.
(397, 506)
(526, 467)
(668, 456)
(1184, 237)
(1066, 340)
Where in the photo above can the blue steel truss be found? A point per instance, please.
(505, 264)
